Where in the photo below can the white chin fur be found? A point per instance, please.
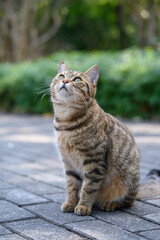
(63, 94)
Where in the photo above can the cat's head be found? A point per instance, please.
(74, 87)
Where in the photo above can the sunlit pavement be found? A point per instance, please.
(32, 187)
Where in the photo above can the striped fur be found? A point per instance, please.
(100, 155)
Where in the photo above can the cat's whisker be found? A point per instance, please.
(79, 95)
(84, 100)
(42, 88)
(76, 105)
(75, 95)
(44, 92)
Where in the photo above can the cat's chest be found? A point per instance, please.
(69, 152)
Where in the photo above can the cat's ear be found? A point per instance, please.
(62, 67)
(93, 74)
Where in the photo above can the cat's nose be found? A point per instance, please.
(65, 81)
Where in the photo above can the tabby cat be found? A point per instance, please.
(100, 155)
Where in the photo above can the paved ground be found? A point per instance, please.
(32, 187)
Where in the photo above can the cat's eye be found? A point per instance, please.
(77, 79)
(61, 76)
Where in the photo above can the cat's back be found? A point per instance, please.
(124, 153)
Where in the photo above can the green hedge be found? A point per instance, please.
(129, 84)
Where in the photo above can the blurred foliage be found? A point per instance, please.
(128, 86)
(30, 29)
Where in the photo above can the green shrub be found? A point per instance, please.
(129, 83)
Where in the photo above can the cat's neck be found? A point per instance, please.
(64, 112)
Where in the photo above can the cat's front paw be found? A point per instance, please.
(67, 207)
(82, 210)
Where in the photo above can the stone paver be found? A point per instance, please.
(5, 185)
(126, 221)
(20, 196)
(4, 230)
(13, 178)
(52, 212)
(50, 178)
(141, 209)
(153, 234)
(154, 201)
(39, 230)
(58, 198)
(9, 211)
(32, 187)
(41, 188)
(100, 230)
(155, 217)
(12, 237)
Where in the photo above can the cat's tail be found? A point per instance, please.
(151, 186)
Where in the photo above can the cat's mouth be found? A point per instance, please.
(63, 88)
(65, 91)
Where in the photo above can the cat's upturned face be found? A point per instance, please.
(69, 84)
(73, 87)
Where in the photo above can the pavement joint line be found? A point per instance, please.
(52, 201)
(151, 220)
(22, 187)
(150, 203)
(19, 234)
(55, 223)
(39, 195)
(114, 224)
(145, 237)
(22, 147)
(8, 200)
(133, 233)
(31, 204)
(74, 231)
(146, 230)
(95, 218)
(22, 175)
(26, 160)
(85, 234)
(24, 205)
(28, 177)
(79, 233)
(87, 220)
(125, 210)
(39, 216)
(142, 217)
(17, 220)
(46, 220)
(3, 225)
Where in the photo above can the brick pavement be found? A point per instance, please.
(32, 187)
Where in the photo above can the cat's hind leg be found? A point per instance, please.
(111, 196)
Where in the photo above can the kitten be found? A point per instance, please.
(100, 155)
